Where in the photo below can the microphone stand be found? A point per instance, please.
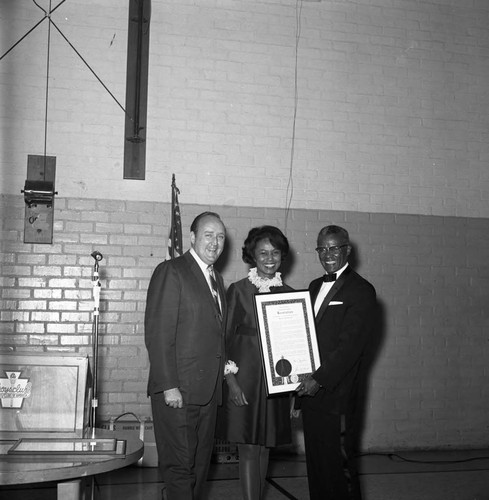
(96, 313)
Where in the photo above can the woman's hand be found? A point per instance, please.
(236, 395)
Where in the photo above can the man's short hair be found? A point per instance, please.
(332, 229)
(195, 224)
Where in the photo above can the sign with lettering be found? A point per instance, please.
(43, 394)
(13, 390)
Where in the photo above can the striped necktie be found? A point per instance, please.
(214, 290)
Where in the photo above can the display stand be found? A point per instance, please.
(96, 314)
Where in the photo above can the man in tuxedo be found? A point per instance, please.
(345, 308)
(184, 335)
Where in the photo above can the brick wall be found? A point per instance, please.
(427, 386)
(391, 139)
(392, 104)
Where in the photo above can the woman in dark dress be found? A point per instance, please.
(248, 417)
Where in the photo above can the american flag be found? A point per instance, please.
(175, 238)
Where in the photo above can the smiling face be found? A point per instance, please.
(208, 240)
(333, 251)
(267, 258)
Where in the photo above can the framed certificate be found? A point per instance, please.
(287, 338)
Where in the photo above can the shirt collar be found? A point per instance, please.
(338, 274)
(203, 266)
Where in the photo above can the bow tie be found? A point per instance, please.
(329, 277)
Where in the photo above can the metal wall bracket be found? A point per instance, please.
(39, 196)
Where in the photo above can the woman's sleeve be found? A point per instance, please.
(232, 305)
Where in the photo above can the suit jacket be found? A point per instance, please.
(343, 325)
(183, 333)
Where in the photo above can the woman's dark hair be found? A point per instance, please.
(271, 233)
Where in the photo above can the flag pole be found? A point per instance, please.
(174, 192)
(175, 237)
(172, 222)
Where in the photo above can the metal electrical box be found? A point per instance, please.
(39, 194)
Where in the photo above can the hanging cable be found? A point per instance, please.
(32, 29)
(399, 458)
(47, 86)
(289, 193)
(20, 40)
(47, 15)
(88, 66)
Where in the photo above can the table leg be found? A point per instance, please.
(69, 490)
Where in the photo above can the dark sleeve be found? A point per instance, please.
(161, 325)
(232, 316)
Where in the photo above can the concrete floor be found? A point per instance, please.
(433, 475)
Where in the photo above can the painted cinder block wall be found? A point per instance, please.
(391, 137)
(427, 384)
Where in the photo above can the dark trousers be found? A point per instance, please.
(184, 441)
(331, 468)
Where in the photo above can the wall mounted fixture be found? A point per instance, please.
(39, 197)
(38, 193)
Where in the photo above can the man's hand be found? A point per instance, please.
(294, 412)
(173, 398)
(308, 388)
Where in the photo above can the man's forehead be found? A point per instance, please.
(210, 223)
(331, 235)
(333, 238)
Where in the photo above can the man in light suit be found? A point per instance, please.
(184, 334)
(345, 307)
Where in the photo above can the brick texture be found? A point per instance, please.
(426, 386)
(386, 101)
(385, 133)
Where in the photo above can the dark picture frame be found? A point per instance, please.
(287, 339)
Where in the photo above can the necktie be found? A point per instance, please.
(329, 277)
(323, 291)
(214, 290)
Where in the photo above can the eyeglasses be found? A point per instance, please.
(335, 249)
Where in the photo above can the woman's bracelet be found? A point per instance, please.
(230, 367)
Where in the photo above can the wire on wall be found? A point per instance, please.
(289, 193)
(47, 15)
(89, 67)
(33, 28)
(47, 85)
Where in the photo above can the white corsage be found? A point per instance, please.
(263, 284)
(230, 367)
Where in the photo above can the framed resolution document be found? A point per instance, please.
(287, 338)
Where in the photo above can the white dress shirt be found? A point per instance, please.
(325, 288)
(205, 270)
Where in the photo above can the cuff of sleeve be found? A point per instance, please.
(317, 381)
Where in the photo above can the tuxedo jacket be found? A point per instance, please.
(183, 333)
(343, 326)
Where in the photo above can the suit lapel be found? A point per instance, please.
(202, 280)
(334, 290)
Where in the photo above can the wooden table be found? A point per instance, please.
(67, 473)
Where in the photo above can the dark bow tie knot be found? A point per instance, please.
(329, 277)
